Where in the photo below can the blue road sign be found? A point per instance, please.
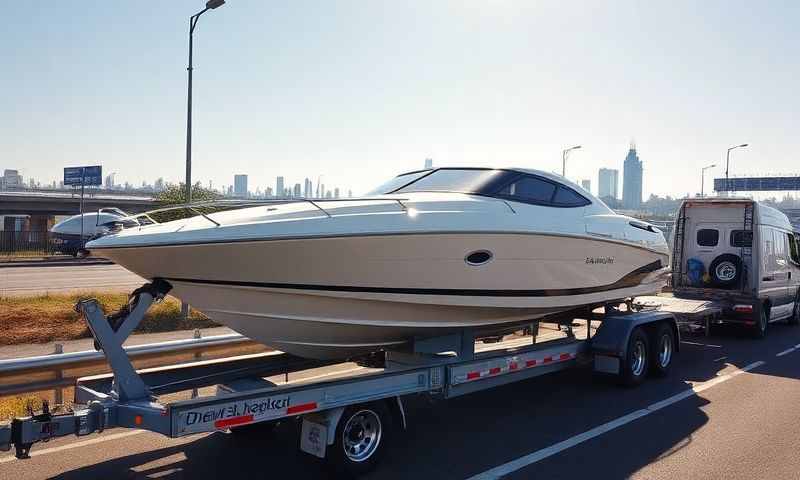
(757, 184)
(92, 175)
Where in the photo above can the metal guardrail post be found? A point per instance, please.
(59, 375)
(197, 355)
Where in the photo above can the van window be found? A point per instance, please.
(707, 237)
(741, 239)
(794, 254)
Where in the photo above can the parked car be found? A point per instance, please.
(65, 236)
(741, 253)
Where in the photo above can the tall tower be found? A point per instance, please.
(280, 191)
(632, 180)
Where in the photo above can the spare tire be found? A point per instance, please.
(726, 270)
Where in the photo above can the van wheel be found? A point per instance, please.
(634, 369)
(726, 270)
(795, 318)
(760, 328)
(361, 438)
(663, 350)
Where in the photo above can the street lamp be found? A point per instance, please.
(703, 178)
(564, 159)
(210, 5)
(727, 165)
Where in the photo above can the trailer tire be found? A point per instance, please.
(663, 350)
(795, 318)
(634, 369)
(760, 328)
(361, 437)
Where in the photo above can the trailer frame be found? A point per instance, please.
(444, 367)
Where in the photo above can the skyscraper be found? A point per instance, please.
(336, 192)
(608, 183)
(428, 163)
(279, 190)
(586, 184)
(307, 191)
(632, 180)
(240, 185)
(296, 190)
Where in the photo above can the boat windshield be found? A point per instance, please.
(466, 180)
(397, 182)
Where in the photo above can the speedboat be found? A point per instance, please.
(426, 254)
(68, 235)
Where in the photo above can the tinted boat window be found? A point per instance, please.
(530, 189)
(741, 238)
(568, 198)
(794, 249)
(453, 180)
(708, 237)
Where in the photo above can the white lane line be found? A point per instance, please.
(102, 438)
(785, 352)
(539, 455)
(701, 344)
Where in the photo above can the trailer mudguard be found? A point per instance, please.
(614, 332)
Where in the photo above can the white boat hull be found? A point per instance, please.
(340, 296)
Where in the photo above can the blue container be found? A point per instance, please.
(695, 270)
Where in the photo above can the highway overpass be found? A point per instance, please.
(49, 203)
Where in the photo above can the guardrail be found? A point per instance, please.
(19, 375)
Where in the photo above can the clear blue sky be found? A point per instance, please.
(358, 91)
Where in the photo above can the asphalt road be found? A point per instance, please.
(720, 414)
(51, 279)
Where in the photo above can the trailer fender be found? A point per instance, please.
(614, 332)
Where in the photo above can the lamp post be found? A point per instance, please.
(727, 165)
(703, 178)
(564, 159)
(210, 5)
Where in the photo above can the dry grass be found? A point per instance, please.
(18, 406)
(47, 318)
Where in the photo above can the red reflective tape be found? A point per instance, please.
(233, 421)
(530, 363)
(304, 407)
(547, 359)
(565, 356)
(494, 371)
(473, 375)
(512, 366)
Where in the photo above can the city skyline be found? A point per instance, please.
(357, 99)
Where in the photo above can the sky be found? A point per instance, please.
(359, 91)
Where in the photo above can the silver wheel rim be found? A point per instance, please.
(639, 352)
(726, 271)
(361, 435)
(665, 352)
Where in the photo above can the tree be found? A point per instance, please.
(176, 194)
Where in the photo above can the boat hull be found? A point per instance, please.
(337, 297)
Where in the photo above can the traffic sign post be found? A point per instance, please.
(91, 175)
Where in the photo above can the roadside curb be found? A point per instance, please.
(55, 263)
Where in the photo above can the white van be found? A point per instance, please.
(742, 254)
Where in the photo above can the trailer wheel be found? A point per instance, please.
(795, 318)
(663, 350)
(634, 370)
(760, 328)
(361, 437)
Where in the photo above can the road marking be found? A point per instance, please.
(785, 352)
(701, 344)
(544, 453)
(103, 438)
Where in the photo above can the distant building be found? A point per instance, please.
(296, 190)
(336, 192)
(321, 193)
(428, 163)
(608, 183)
(109, 181)
(632, 180)
(11, 178)
(586, 184)
(159, 185)
(268, 192)
(240, 185)
(279, 189)
(308, 189)
(349, 194)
